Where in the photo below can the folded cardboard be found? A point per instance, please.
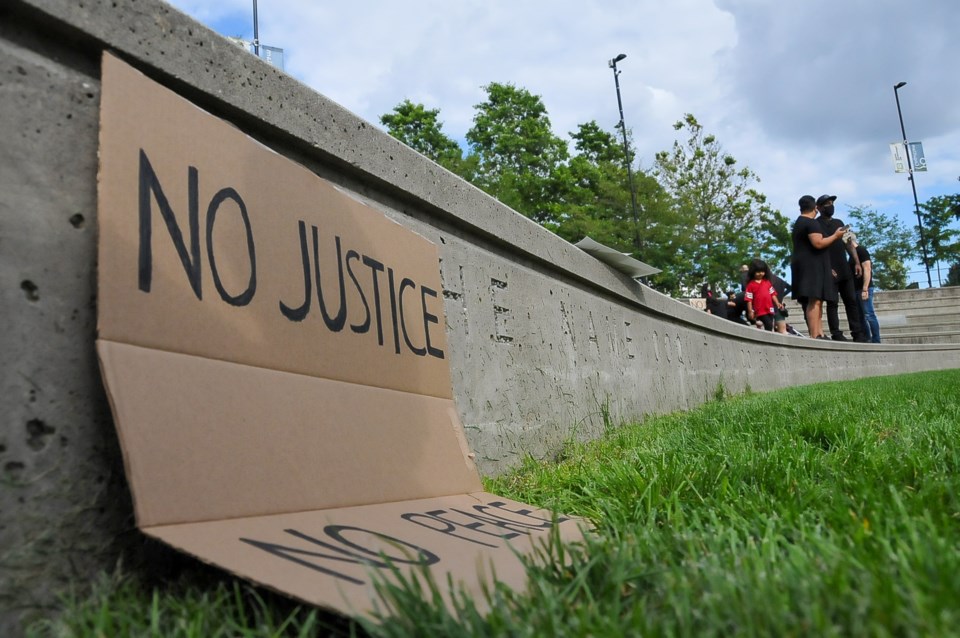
(618, 260)
(275, 356)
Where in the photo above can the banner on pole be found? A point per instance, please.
(899, 157)
(917, 162)
(916, 157)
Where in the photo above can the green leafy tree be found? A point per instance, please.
(518, 155)
(420, 128)
(941, 234)
(593, 197)
(890, 242)
(727, 221)
(596, 145)
(953, 277)
(595, 201)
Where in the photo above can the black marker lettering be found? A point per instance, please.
(526, 513)
(336, 323)
(408, 283)
(446, 527)
(150, 183)
(423, 557)
(365, 326)
(393, 311)
(374, 557)
(376, 266)
(298, 314)
(293, 554)
(247, 295)
(513, 526)
(428, 319)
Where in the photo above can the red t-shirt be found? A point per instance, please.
(760, 293)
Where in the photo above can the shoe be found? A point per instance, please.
(824, 337)
(862, 340)
(839, 337)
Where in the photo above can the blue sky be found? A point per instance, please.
(800, 92)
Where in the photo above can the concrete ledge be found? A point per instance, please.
(546, 343)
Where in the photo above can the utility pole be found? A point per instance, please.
(626, 152)
(913, 184)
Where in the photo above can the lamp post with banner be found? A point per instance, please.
(626, 152)
(907, 148)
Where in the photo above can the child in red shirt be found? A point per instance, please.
(760, 295)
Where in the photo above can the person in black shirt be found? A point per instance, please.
(843, 276)
(780, 314)
(864, 287)
(736, 307)
(717, 306)
(810, 265)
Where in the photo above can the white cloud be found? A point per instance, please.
(801, 92)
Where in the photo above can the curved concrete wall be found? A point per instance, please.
(546, 343)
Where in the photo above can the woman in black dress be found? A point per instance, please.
(810, 266)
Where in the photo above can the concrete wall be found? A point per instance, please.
(544, 340)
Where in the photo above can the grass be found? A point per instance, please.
(824, 510)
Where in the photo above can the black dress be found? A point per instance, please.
(810, 267)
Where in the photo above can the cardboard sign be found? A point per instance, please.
(275, 358)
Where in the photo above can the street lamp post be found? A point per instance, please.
(913, 184)
(256, 35)
(626, 152)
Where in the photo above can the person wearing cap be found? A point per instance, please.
(812, 281)
(842, 276)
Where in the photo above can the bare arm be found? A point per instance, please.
(857, 266)
(819, 241)
(867, 279)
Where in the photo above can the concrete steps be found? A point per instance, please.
(906, 316)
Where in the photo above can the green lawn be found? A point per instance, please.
(824, 510)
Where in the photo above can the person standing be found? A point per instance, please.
(762, 300)
(810, 265)
(865, 288)
(843, 276)
(744, 277)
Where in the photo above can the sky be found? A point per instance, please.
(801, 92)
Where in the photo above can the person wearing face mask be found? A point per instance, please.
(810, 265)
(843, 276)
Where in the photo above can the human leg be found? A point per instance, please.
(811, 312)
(833, 319)
(851, 304)
(779, 322)
(767, 321)
(870, 322)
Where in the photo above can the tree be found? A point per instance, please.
(420, 129)
(953, 277)
(727, 221)
(593, 198)
(595, 201)
(890, 242)
(938, 213)
(517, 152)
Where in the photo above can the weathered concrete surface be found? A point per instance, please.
(546, 343)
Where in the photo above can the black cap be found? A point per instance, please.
(807, 202)
(823, 199)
